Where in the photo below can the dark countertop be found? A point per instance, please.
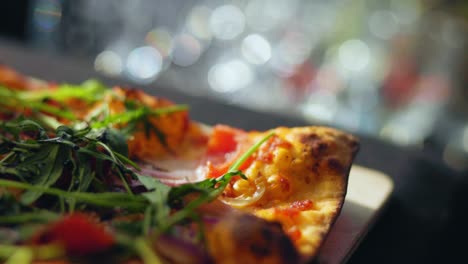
(426, 216)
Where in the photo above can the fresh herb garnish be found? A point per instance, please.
(12, 99)
(89, 91)
(62, 168)
(42, 160)
(81, 146)
(137, 114)
(26, 254)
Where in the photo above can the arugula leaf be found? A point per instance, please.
(22, 255)
(84, 176)
(116, 141)
(151, 183)
(147, 254)
(157, 195)
(135, 116)
(23, 125)
(13, 99)
(8, 203)
(105, 199)
(86, 154)
(90, 91)
(56, 111)
(49, 174)
(26, 254)
(149, 127)
(42, 216)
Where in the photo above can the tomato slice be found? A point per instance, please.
(79, 234)
(223, 140)
(225, 146)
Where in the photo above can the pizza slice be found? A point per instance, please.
(148, 185)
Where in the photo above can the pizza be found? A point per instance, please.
(95, 174)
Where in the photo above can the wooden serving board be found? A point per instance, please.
(368, 192)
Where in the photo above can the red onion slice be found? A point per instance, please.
(175, 177)
(244, 200)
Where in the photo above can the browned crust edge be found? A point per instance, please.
(354, 151)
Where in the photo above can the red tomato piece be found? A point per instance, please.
(225, 146)
(216, 171)
(79, 234)
(223, 140)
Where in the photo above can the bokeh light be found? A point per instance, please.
(256, 49)
(227, 22)
(198, 22)
(263, 15)
(356, 66)
(144, 64)
(454, 157)
(47, 15)
(230, 76)
(161, 39)
(354, 55)
(109, 63)
(186, 50)
(292, 50)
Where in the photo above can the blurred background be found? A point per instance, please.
(394, 69)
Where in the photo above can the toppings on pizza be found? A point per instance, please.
(89, 172)
(78, 233)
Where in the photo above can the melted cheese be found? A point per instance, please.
(312, 169)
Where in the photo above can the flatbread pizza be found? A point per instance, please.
(96, 174)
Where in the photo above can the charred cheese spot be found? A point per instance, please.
(335, 164)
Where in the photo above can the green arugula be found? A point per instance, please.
(42, 161)
(66, 168)
(26, 254)
(38, 164)
(89, 91)
(137, 114)
(12, 99)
